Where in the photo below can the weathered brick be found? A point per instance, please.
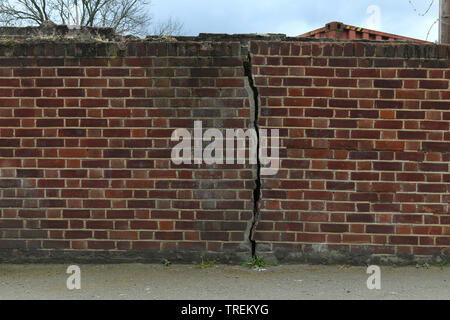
(86, 151)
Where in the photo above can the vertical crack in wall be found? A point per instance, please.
(254, 118)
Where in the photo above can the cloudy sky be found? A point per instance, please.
(294, 17)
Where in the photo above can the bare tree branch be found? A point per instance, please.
(170, 27)
(124, 16)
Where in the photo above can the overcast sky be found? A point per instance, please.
(294, 17)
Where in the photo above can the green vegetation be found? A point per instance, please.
(442, 264)
(425, 265)
(206, 263)
(256, 262)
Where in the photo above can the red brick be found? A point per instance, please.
(434, 84)
(94, 157)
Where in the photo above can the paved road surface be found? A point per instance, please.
(139, 281)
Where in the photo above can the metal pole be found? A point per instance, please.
(444, 29)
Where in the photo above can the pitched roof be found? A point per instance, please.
(339, 30)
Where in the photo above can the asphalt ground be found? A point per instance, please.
(220, 282)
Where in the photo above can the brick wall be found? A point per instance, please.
(86, 174)
(85, 147)
(365, 148)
